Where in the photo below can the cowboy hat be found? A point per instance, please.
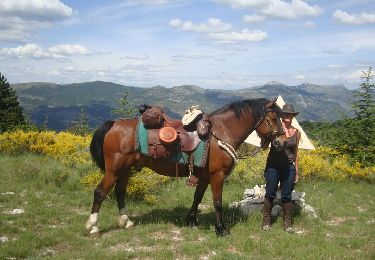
(190, 114)
(289, 109)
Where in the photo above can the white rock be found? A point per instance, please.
(15, 212)
(4, 239)
(8, 193)
(254, 199)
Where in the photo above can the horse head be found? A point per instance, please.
(269, 126)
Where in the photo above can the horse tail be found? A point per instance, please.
(96, 145)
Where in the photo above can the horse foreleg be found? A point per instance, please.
(99, 195)
(120, 190)
(217, 183)
(198, 195)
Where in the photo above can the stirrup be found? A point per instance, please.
(192, 181)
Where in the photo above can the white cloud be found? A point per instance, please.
(244, 35)
(68, 49)
(192, 55)
(253, 18)
(54, 73)
(277, 8)
(19, 19)
(295, 9)
(335, 66)
(219, 31)
(144, 57)
(33, 51)
(299, 77)
(35, 9)
(309, 25)
(155, 2)
(213, 25)
(244, 3)
(346, 18)
(28, 51)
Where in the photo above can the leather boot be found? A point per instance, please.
(267, 207)
(287, 216)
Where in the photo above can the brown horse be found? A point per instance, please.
(113, 148)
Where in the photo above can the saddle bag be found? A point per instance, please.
(153, 117)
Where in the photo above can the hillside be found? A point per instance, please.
(59, 104)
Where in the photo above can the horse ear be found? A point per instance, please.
(143, 108)
(270, 103)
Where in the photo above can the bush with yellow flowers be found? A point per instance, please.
(328, 163)
(142, 185)
(323, 163)
(63, 146)
(73, 150)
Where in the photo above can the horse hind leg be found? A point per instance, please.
(120, 190)
(100, 193)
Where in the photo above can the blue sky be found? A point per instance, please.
(226, 44)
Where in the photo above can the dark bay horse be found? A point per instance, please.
(113, 148)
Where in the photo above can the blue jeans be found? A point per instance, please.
(284, 174)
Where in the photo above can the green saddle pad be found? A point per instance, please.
(200, 153)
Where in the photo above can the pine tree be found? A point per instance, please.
(362, 127)
(364, 107)
(11, 115)
(81, 125)
(125, 109)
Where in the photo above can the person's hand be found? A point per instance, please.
(264, 143)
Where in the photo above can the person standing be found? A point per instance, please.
(282, 166)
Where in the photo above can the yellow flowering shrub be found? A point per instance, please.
(65, 147)
(143, 184)
(73, 150)
(328, 163)
(324, 162)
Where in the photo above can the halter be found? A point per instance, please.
(266, 121)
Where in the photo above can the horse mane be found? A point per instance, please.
(257, 107)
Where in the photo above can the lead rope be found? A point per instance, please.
(228, 148)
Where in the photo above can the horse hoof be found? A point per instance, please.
(96, 235)
(221, 231)
(94, 232)
(192, 221)
(129, 224)
(125, 222)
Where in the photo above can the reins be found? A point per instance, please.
(231, 151)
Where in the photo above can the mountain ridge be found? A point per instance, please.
(44, 100)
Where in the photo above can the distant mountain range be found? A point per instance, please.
(58, 105)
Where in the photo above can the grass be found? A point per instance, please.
(56, 207)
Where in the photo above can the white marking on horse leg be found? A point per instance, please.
(94, 230)
(123, 220)
(91, 223)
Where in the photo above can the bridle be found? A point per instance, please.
(272, 134)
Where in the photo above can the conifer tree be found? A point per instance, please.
(125, 109)
(11, 114)
(81, 125)
(364, 106)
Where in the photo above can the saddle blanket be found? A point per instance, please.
(199, 154)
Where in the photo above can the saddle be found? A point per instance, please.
(166, 135)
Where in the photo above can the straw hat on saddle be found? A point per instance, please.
(190, 114)
(289, 109)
